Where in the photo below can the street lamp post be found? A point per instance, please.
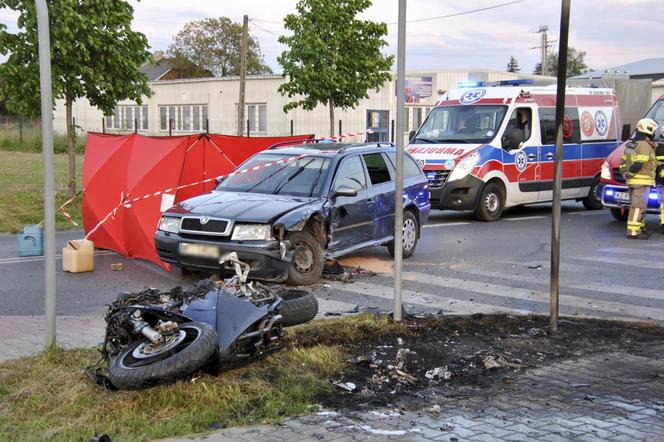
(47, 158)
(401, 128)
(558, 167)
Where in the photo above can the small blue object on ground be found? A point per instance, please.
(31, 241)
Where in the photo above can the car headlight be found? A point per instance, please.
(169, 224)
(248, 232)
(606, 171)
(464, 167)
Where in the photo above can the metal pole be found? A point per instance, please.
(243, 73)
(398, 191)
(47, 157)
(170, 127)
(392, 131)
(340, 128)
(135, 125)
(103, 125)
(248, 129)
(291, 127)
(558, 167)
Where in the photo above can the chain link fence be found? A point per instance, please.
(23, 134)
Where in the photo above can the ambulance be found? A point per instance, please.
(486, 147)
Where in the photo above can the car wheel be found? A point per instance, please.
(410, 232)
(491, 204)
(593, 201)
(619, 214)
(307, 263)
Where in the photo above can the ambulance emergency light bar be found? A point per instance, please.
(465, 84)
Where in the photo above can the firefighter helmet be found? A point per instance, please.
(647, 126)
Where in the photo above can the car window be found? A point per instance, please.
(351, 174)
(410, 167)
(377, 168)
(522, 119)
(571, 126)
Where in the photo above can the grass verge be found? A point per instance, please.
(22, 196)
(48, 397)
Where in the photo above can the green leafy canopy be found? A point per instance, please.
(94, 54)
(215, 44)
(333, 56)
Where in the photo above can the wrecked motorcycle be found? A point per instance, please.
(155, 337)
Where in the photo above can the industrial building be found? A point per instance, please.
(185, 106)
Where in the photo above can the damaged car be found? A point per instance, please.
(285, 210)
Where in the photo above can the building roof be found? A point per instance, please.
(162, 66)
(649, 66)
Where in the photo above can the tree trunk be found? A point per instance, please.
(331, 117)
(71, 148)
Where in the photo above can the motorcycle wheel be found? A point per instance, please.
(297, 307)
(141, 365)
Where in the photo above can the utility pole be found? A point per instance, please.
(401, 128)
(544, 46)
(49, 175)
(243, 74)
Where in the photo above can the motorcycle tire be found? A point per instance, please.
(197, 348)
(297, 307)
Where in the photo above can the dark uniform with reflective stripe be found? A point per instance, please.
(659, 180)
(638, 165)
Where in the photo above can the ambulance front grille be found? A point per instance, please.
(437, 178)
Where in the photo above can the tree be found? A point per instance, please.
(513, 65)
(333, 57)
(94, 54)
(576, 64)
(214, 44)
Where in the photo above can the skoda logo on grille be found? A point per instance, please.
(204, 220)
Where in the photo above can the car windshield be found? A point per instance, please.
(268, 173)
(657, 114)
(461, 124)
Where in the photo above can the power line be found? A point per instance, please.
(417, 20)
(253, 22)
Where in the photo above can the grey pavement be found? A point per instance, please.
(611, 396)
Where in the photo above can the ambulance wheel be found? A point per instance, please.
(491, 203)
(593, 201)
(618, 214)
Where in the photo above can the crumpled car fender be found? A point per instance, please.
(297, 219)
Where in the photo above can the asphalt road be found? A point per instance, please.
(460, 266)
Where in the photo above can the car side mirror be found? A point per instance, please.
(411, 135)
(512, 139)
(626, 132)
(344, 191)
(218, 180)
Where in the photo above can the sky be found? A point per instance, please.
(612, 32)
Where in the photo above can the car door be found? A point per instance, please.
(351, 220)
(382, 193)
(521, 165)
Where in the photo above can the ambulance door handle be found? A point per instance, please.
(549, 156)
(532, 156)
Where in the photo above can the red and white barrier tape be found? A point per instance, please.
(65, 213)
(349, 135)
(127, 203)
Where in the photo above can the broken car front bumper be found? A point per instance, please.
(264, 257)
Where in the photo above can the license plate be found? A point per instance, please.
(200, 250)
(622, 196)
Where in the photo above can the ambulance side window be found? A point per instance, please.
(521, 118)
(571, 128)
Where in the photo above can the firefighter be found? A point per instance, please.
(638, 165)
(659, 179)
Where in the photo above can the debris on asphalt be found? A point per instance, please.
(490, 362)
(334, 271)
(536, 267)
(439, 373)
(435, 409)
(117, 266)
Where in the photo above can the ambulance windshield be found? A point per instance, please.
(461, 124)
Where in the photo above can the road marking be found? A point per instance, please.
(646, 264)
(21, 259)
(428, 300)
(624, 250)
(594, 212)
(542, 277)
(523, 218)
(430, 226)
(535, 295)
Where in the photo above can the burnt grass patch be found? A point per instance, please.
(391, 363)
